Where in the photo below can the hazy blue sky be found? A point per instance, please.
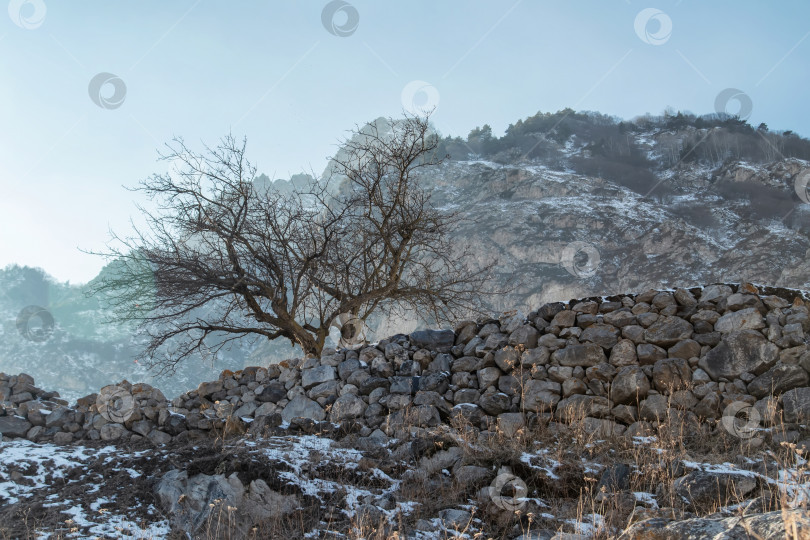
(273, 71)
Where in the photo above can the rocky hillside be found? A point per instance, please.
(566, 235)
(581, 204)
(668, 414)
(569, 204)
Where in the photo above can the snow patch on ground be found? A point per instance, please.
(45, 459)
(112, 526)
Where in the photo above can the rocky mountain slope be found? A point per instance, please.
(580, 221)
(667, 414)
(569, 205)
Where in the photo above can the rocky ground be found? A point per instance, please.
(667, 414)
(306, 479)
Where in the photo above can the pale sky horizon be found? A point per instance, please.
(294, 77)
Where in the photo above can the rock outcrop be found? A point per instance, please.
(425, 410)
(627, 362)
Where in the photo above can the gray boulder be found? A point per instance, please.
(649, 354)
(671, 374)
(715, 293)
(604, 335)
(578, 407)
(739, 352)
(304, 407)
(708, 407)
(347, 367)
(455, 520)
(765, 525)
(495, 341)
(778, 379)
(655, 407)
(620, 318)
(701, 489)
(684, 297)
(510, 423)
(564, 319)
(540, 396)
(525, 335)
(205, 389)
(535, 357)
(465, 363)
(191, 501)
(585, 354)
(465, 331)
(471, 475)
(404, 385)
(325, 389)
(488, 376)
(668, 331)
(796, 404)
(317, 375)
(623, 354)
(111, 432)
(685, 349)
(466, 395)
(572, 386)
(346, 407)
(14, 426)
(629, 386)
(738, 301)
(495, 404)
(272, 393)
(745, 319)
(507, 359)
(433, 340)
(58, 417)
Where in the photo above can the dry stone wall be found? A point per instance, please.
(621, 365)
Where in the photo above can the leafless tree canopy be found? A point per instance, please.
(258, 262)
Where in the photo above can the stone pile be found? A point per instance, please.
(619, 365)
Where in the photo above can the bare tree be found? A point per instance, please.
(257, 262)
